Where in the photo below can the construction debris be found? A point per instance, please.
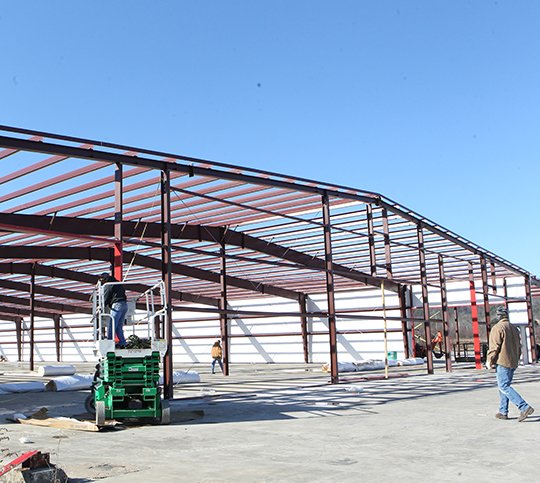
(35, 466)
(42, 418)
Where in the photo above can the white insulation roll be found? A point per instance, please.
(77, 382)
(21, 387)
(47, 371)
(181, 377)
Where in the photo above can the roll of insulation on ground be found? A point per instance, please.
(46, 371)
(77, 382)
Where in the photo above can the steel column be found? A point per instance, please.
(444, 309)
(493, 277)
(223, 317)
(425, 301)
(404, 323)
(166, 273)
(387, 252)
(32, 309)
(456, 322)
(474, 315)
(530, 319)
(302, 301)
(485, 290)
(330, 290)
(371, 240)
(18, 331)
(57, 320)
(118, 216)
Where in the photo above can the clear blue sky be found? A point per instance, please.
(435, 104)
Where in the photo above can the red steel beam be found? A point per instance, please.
(474, 315)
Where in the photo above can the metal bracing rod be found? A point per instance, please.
(330, 290)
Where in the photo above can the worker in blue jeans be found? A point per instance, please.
(503, 355)
(217, 355)
(114, 297)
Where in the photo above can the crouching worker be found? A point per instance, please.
(114, 297)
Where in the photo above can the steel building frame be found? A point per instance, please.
(72, 208)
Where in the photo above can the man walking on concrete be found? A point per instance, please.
(503, 355)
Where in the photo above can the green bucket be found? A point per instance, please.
(392, 355)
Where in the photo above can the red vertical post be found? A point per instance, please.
(224, 319)
(118, 216)
(444, 309)
(474, 315)
(425, 301)
(332, 332)
(166, 273)
(302, 300)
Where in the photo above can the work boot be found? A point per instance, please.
(501, 416)
(524, 414)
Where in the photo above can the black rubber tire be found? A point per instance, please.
(90, 404)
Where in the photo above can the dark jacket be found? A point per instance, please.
(113, 293)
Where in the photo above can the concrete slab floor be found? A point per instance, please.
(273, 423)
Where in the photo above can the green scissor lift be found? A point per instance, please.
(126, 383)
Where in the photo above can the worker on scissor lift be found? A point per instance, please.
(114, 297)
